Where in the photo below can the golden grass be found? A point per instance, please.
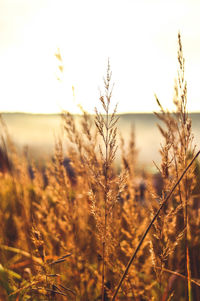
(73, 231)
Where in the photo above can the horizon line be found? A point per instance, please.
(59, 113)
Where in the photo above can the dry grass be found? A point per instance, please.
(72, 231)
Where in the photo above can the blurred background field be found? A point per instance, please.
(39, 131)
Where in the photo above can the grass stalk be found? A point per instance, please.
(105, 201)
(188, 275)
(178, 275)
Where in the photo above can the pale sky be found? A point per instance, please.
(138, 36)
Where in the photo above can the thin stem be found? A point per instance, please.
(151, 223)
(105, 196)
(178, 275)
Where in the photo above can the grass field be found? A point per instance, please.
(78, 227)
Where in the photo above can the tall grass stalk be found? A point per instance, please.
(107, 130)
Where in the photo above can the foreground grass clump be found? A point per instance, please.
(72, 230)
